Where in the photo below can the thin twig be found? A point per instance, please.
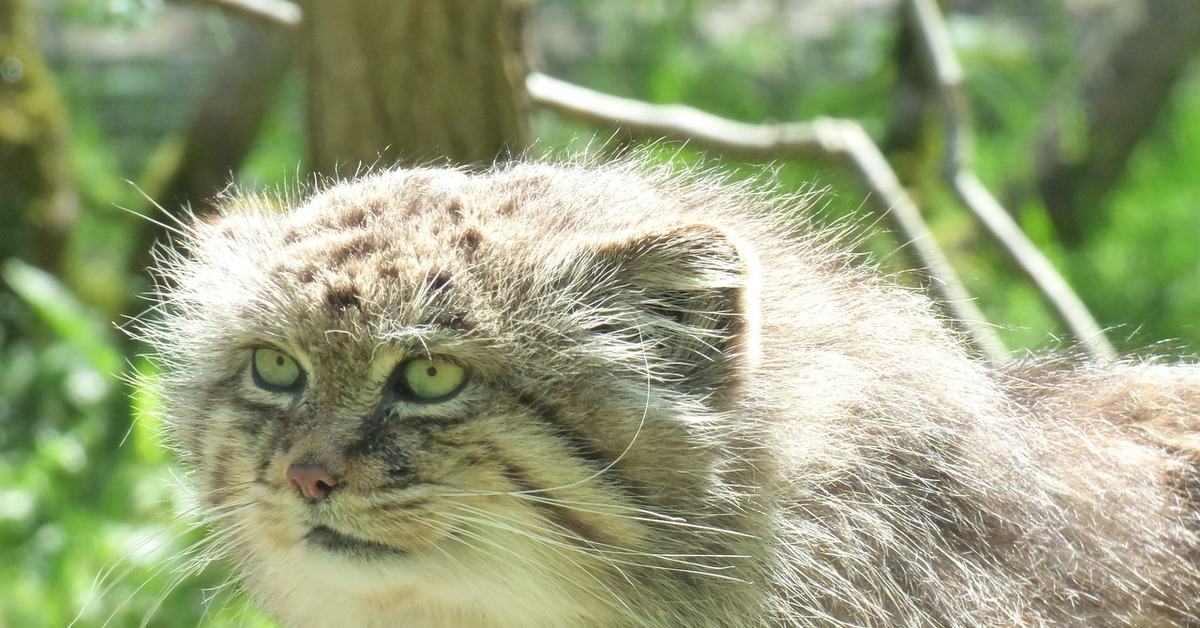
(278, 13)
(960, 174)
(823, 139)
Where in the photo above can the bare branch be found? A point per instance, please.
(824, 139)
(277, 13)
(959, 173)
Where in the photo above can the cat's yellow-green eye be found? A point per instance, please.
(276, 371)
(431, 379)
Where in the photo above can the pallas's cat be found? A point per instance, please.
(584, 396)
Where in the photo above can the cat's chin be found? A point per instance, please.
(326, 539)
(331, 579)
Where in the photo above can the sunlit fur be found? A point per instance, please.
(684, 408)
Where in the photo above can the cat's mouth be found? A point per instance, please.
(330, 540)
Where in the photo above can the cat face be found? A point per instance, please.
(430, 396)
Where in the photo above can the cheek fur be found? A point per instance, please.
(232, 459)
(528, 470)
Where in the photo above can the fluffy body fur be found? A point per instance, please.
(677, 413)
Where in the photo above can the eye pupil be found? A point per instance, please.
(429, 380)
(276, 371)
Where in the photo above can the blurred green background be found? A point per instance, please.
(90, 522)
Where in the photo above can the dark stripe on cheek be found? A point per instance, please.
(279, 440)
(382, 441)
(375, 428)
(560, 516)
(516, 475)
(585, 449)
(255, 415)
(580, 444)
(267, 453)
(231, 381)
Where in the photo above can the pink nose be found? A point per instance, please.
(314, 481)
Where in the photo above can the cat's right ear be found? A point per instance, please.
(690, 293)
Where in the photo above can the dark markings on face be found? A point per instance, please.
(508, 207)
(334, 542)
(277, 441)
(383, 426)
(585, 450)
(579, 443)
(342, 294)
(351, 248)
(371, 444)
(389, 271)
(562, 518)
(469, 241)
(351, 218)
(255, 416)
(308, 274)
(252, 415)
(292, 236)
(440, 311)
(384, 445)
(220, 488)
(437, 282)
(452, 319)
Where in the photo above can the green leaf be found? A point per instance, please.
(65, 315)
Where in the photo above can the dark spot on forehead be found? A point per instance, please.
(437, 281)
(389, 271)
(354, 246)
(351, 217)
(341, 293)
(292, 270)
(414, 205)
(454, 208)
(508, 207)
(452, 319)
(469, 240)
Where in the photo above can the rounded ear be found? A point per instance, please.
(692, 290)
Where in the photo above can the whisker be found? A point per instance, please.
(599, 551)
(184, 563)
(528, 560)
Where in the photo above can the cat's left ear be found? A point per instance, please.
(693, 289)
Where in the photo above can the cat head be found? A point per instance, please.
(519, 380)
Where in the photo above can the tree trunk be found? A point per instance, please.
(230, 112)
(38, 205)
(1087, 138)
(413, 81)
(191, 170)
(906, 142)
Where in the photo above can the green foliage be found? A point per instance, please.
(85, 513)
(1141, 268)
(65, 316)
(90, 523)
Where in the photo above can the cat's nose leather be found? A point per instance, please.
(314, 481)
